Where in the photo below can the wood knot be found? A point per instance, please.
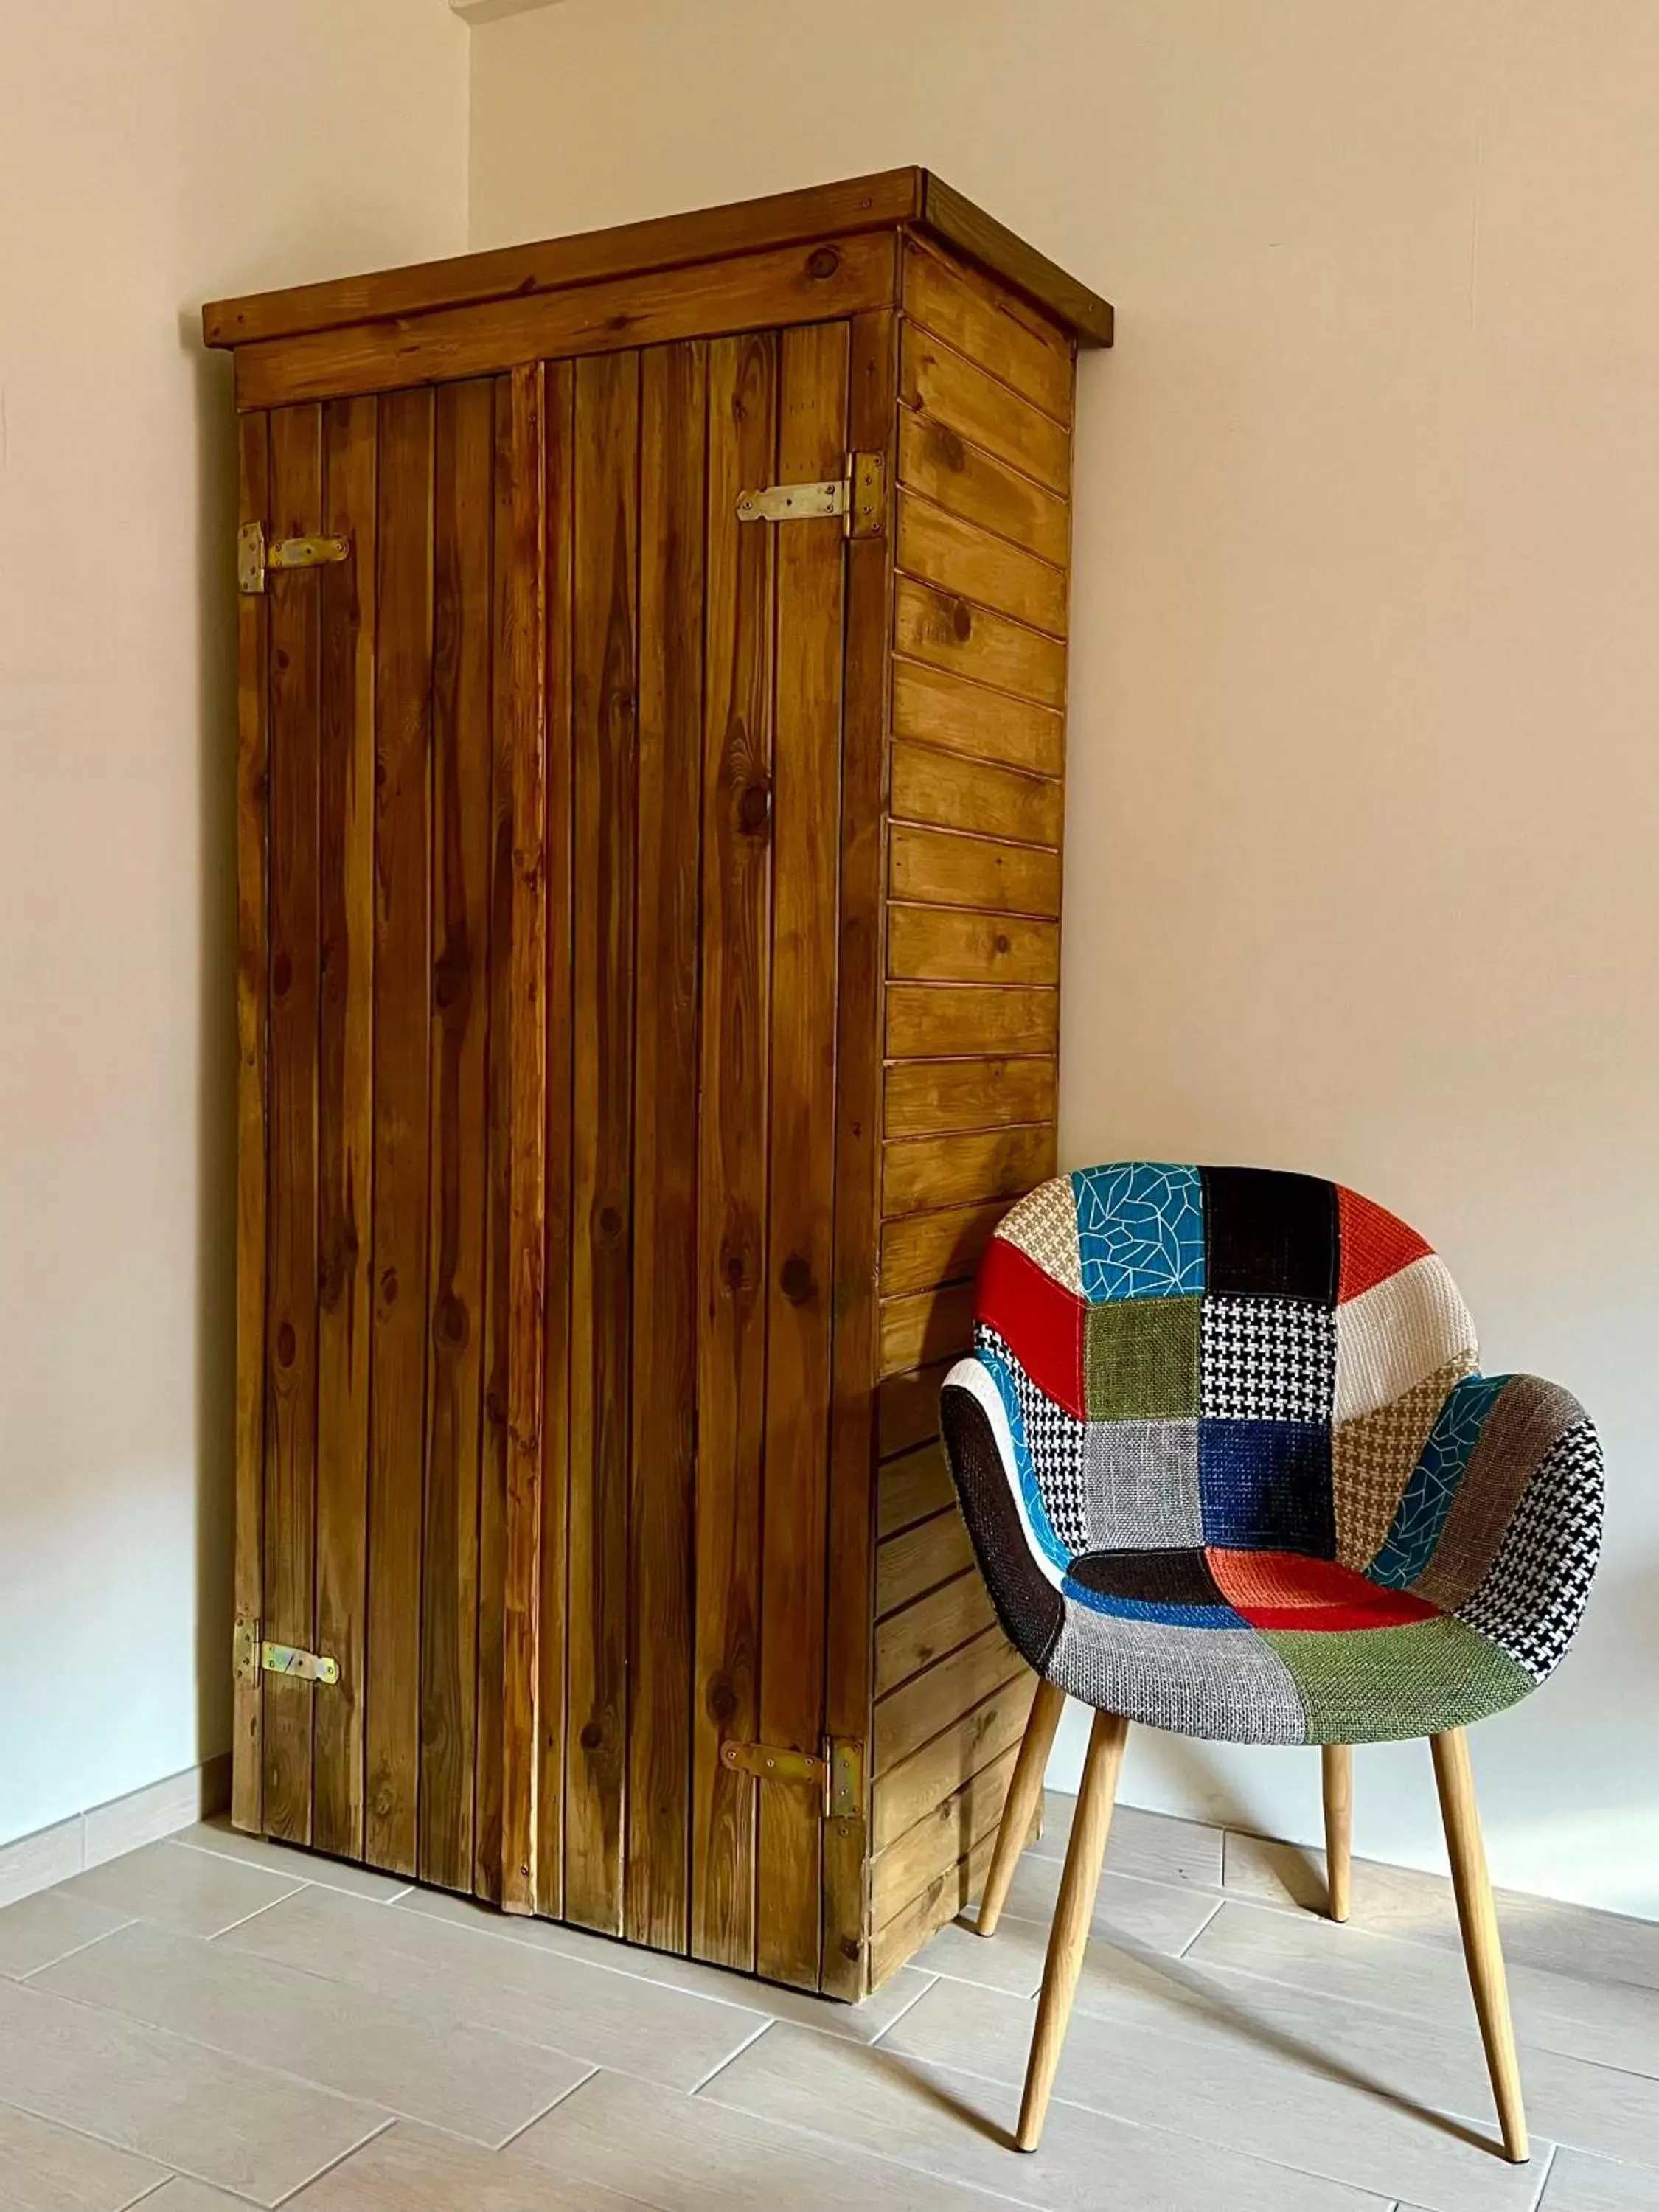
(795, 1280)
(389, 1286)
(592, 1736)
(823, 261)
(962, 621)
(285, 1345)
(610, 1224)
(453, 1324)
(282, 975)
(754, 808)
(721, 1700)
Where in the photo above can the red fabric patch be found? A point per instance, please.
(1373, 1245)
(1041, 1320)
(1282, 1589)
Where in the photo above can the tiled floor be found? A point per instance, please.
(212, 2022)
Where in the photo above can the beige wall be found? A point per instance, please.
(151, 156)
(1365, 733)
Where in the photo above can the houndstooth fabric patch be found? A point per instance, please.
(1267, 1359)
(1054, 1438)
(1534, 1596)
(1044, 1227)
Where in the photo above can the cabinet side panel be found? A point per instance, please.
(873, 372)
(971, 1031)
(252, 1008)
(345, 1055)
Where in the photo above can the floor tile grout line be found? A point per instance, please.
(748, 2044)
(306, 1880)
(1208, 1920)
(930, 1982)
(258, 1911)
(564, 2095)
(74, 1952)
(329, 2166)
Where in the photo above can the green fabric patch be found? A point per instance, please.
(1140, 1359)
(1376, 1685)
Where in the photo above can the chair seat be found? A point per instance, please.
(1269, 1647)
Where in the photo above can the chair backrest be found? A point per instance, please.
(1176, 1367)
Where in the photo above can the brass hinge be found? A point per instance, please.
(250, 1657)
(858, 497)
(255, 556)
(836, 1777)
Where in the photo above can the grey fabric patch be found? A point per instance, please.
(1140, 1485)
(1224, 1683)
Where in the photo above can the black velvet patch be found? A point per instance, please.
(1270, 1234)
(1029, 1607)
(1157, 1577)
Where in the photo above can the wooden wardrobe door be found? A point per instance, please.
(375, 680)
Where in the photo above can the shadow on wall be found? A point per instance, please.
(215, 1212)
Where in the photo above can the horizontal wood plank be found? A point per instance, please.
(924, 1018)
(938, 1621)
(906, 1717)
(953, 634)
(906, 1793)
(944, 384)
(993, 326)
(967, 481)
(930, 785)
(962, 558)
(941, 708)
(918, 1250)
(947, 1895)
(930, 1325)
(934, 1845)
(956, 555)
(753, 291)
(937, 1097)
(942, 867)
(907, 1408)
(957, 944)
(918, 1559)
(947, 1171)
(911, 1489)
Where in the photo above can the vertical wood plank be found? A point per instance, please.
(853, 1444)
(297, 499)
(673, 434)
(560, 564)
(397, 1375)
(522, 673)
(345, 1118)
(492, 1472)
(806, 839)
(252, 987)
(464, 441)
(605, 626)
(743, 382)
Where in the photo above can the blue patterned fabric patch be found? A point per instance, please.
(1427, 1498)
(1142, 1609)
(1140, 1230)
(1035, 1512)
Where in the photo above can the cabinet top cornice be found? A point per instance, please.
(895, 198)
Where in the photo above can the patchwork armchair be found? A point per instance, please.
(1230, 1469)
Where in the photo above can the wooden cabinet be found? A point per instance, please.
(648, 999)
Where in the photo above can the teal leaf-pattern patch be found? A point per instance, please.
(1427, 1498)
(1140, 1230)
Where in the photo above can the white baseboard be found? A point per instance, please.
(105, 1831)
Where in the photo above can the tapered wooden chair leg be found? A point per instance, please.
(1337, 1760)
(1481, 1951)
(1072, 1913)
(1023, 1793)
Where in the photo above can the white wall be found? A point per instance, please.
(1362, 845)
(150, 157)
